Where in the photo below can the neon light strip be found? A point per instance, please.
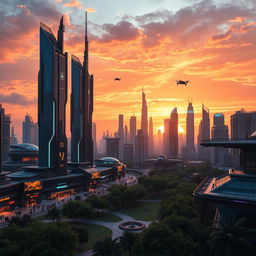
(64, 186)
(53, 133)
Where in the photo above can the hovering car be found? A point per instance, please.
(117, 79)
(181, 82)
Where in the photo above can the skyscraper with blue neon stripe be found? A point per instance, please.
(52, 99)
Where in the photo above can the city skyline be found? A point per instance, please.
(223, 60)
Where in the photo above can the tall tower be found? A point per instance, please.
(190, 130)
(81, 108)
(204, 134)
(173, 134)
(144, 122)
(52, 98)
(139, 147)
(151, 137)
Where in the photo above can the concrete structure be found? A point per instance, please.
(140, 147)
(112, 147)
(5, 133)
(52, 98)
(204, 134)
(173, 134)
(81, 108)
(219, 156)
(190, 152)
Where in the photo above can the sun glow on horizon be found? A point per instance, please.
(180, 129)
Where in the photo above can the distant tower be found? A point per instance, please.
(5, 133)
(112, 147)
(81, 107)
(139, 147)
(243, 124)
(133, 129)
(14, 139)
(94, 138)
(144, 122)
(52, 98)
(125, 134)
(120, 134)
(219, 132)
(166, 138)
(173, 134)
(159, 142)
(204, 134)
(29, 131)
(190, 130)
(151, 137)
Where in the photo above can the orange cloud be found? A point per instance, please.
(74, 3)
(90, 9)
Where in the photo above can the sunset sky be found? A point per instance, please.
(148, 43)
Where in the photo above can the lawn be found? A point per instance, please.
(96, 233)
(143, 211)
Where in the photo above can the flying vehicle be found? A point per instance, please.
(181, 82)
(117, 79)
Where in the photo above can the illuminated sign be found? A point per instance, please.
(4, 199)
(95, 175)
(11, 202)
(32, 185)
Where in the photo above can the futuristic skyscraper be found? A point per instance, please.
(144, 123)
(81, 108)
(52, 98)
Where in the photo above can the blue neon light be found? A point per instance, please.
(63, 186)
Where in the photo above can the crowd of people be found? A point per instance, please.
(42, 208)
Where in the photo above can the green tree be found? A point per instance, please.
(76, 210)
(54, 213)
(21, 221)
(97, 202)
(232, 237)
(127, 241)
(107, 247)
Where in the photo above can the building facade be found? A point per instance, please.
(112, 147)
(190, 152)
(219, 156)
(52, 98)
(140, 147)
(166, 138)
(5, 134)
(81, 108)
(144, 122)
(29, 131)
(204, 135)
(151, 137)
(173, 134)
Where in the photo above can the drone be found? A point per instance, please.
(181, 82)
(117, 79)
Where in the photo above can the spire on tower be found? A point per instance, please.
(60, 35)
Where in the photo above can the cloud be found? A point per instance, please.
(17, 99)
(90, 9)
(19, 30)
(74, 4)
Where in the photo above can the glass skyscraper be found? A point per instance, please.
(52, 98)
